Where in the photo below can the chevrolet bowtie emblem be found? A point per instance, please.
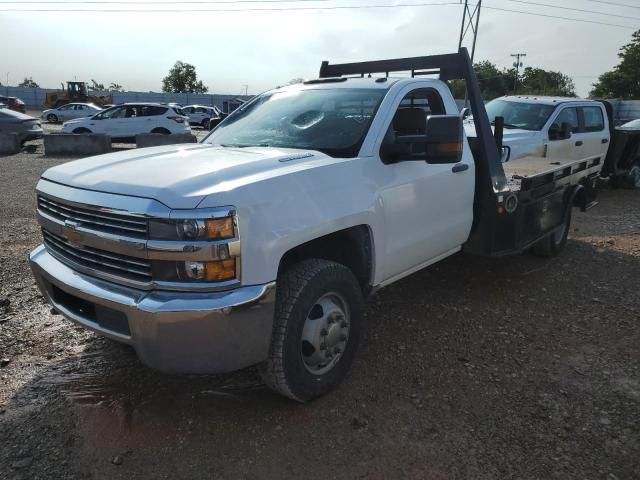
(71, 232)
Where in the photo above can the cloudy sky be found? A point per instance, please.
(264, 44)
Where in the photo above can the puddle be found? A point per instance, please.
(130, 406)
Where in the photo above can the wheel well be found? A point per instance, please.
(351, 247)
(161, 130)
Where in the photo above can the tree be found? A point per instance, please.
(296, 80)
(96, 86)
(537, 81)
(624, 80)
(28, 83)
(115, 87)
(493, 82)
(182, 78)
(532, 81)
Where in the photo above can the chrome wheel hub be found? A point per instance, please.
(325, 333)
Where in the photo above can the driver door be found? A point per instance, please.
(564, 148)
(427, 208)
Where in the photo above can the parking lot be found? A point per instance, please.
(474, 368)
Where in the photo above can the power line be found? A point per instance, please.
(573, 9)
(153, 2)
(249, 9)
(559, 17)
(614, 3)
(295, 8)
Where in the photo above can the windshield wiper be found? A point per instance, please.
(246, 145)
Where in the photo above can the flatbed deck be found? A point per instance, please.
(527, 172)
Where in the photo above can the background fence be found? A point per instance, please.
(35, 97)
(623, 110)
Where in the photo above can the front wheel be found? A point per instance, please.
(51, 118)
(81, 130)
(316, 329)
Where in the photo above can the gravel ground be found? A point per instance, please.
(475, 368)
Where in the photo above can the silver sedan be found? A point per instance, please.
(69, 112)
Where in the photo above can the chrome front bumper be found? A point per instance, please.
(174, 332)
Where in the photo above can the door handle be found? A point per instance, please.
(579, 143)
(605, 140)
(459, 167)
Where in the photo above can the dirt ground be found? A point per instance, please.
(473, 369)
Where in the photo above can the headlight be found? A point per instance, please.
(207, 250)
(192, 229)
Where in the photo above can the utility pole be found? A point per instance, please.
(246, 90)
(517, 64)
(470, 20)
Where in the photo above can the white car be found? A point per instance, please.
(69, 112)
(550, 126)
(131, 119)
(199, 114)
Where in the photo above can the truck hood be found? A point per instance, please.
(509, 136)
(181, 176)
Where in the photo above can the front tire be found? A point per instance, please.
(81, 130)
(51, 118)
(318, 316)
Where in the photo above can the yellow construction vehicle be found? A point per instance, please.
(75, 92)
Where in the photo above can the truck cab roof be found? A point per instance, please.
(544, 100)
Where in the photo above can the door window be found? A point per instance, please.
(593, 119)
(118, 112)
(570, 116)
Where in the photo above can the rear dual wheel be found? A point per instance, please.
(316, 329)
(553, 244)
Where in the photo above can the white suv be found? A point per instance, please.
(130, 119)
(555, 127)
(199, 114)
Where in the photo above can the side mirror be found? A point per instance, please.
(561, 132)
(465, 112)
(441, 142)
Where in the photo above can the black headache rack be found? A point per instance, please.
(506, 220)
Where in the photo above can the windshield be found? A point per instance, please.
(333, 121)
(528, 116)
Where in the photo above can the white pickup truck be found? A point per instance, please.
(258, 245)
(555, 127)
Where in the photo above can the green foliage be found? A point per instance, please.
(96, 86)
(537, 81)
(182, 78)
(624, 80)
(115, 87)
(28, 83)
(532, 81)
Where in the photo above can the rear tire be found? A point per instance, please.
(309, 359)
(553, 244)
(51, 118)
(163, 131)
(205, 124)
(82, 130)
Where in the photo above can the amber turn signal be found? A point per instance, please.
(220, 228)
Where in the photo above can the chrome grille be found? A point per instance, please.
(123, 266)
(94, 219)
